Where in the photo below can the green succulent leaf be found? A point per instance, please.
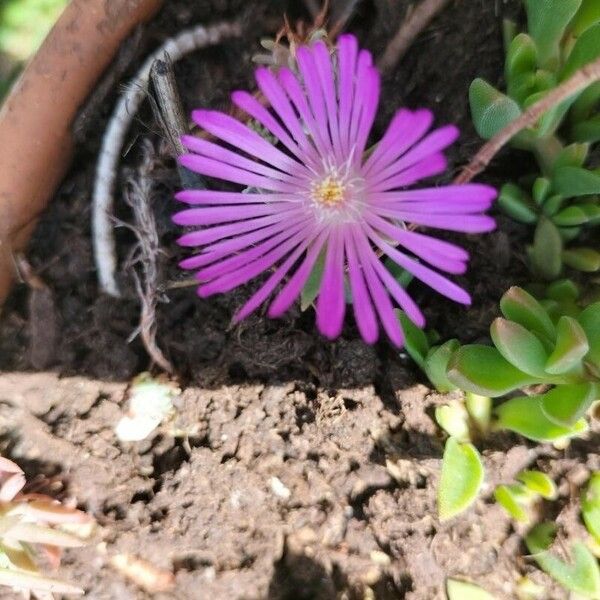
(585, 51)
(571, 346)
(415, 340)
(564, 290)
(552, 205)
(587, 15)
(574, 181)
(547, 22)
(546, 253)
(436, 365)
(589, 319)
(539, 483)
(570, 217)
(483, 370)
(525, 415)
(516, 204)
(566, 404)
(522, 308)
(519, 347)
(521, 56)
(460, 480)
(491, 109)
(590, 506)
(580, 575)
(573, 155)
(480, 410)
(511, 497)
(582, 259)
(541, 189)
(587, 131)
(462, 590)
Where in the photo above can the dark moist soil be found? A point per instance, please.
(303, 469)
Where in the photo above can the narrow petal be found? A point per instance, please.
(381, 300)
(331, 304)
(233, 132)
(431, 144)
(398, 293)
(368, 112)
(364, 67)
(471, 194)
(211, 215)
(405, 129)
(464, 223)
(292, 289)
(425, 274)
(224, 198)
(433, 165)
(347, 56)
(361, 300)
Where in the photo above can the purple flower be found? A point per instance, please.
(317, 192)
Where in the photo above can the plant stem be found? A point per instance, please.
(582, 78)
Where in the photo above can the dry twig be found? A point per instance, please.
(575, 84)
(112, 143)
(415, 22)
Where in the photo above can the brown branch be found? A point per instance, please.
(415, 22)
(575, 84)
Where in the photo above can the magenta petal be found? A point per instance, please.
(331, 304)
(211, 215)
(463, 223)
(347, 56)
(222, 198)
(433, 165)
(361, 301)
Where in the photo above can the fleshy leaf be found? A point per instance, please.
(483, 370)
(454, 420)
(515, 204)
(570, 217)
(479, 409)
(566, 404)
(573, 155)
(580, 575)
(540, 483)
(547, 21)
(587, 131)
(415, 340)
(590, 506)
(587, 15)
(564, 290)
(521, 56)
(571, 346)
(589, 319)
(460, 480)
(524, 415)
(519, 347)
(573, 181)
(436, 365)
(511, 498)
(547, 250)
(582, 259)
(310, 291)
(522, 308)
(585, 51)
(462, 590)
(491, 110)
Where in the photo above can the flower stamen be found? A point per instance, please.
(329, 191)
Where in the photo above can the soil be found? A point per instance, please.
(294, 468)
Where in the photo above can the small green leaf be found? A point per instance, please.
(513, 201)
(587, 131)
(547, 250)
(462, 590)
(519, 347)
(580, 575)
(552, 205)
(480, 410)
(511, 497)
(572, 181)
(540, 483)
(564, 290)
(524, 415)
(566, 404)
(483, 370)
(590, 506)
(547, 21)
(541, 189)
(589, 319)
(570, 217)
(587, 15)
(436, 365)
(491, 110)
(415, 340)
(522, 308)
(573, 155)
(585, 51)
(313, 283)
(582, 259)
(521, 56)
(460, 480)
(454, 420)
(571, 346)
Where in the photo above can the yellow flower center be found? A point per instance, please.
(330, 191)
